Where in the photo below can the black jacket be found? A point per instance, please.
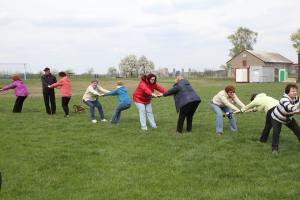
(183, 94)
(47, 80)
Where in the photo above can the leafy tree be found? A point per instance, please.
(128, 65)
(145, 66)
(242, 39)
(295, 38)
(112, 71)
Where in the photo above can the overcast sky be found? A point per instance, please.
(80, 34)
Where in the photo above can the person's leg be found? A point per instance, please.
(276, 133)
(293, 125)
(19, 104)
(65, 104)
(150, 115)
(231, 118)
(117, 113)
(98, 105)
(268, 126)
(219, 118)
(181, 117)
(189, 118)
(142, 113)
(92, 109)
(46, 102)
(52, 102)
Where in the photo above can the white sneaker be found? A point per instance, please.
(144, 128)
(103, 120)
(94, 121)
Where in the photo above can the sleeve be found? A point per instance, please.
(112, 93)
(238, 101)
(59, 83)
(287, 105)
(101, 89)
(159, 88)
(145, 88)
(252, 104)
(94, 92)
(228, 104)
(8, 87)
(44, 81)
(171, 91)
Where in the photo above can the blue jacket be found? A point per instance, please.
(122, 93)
(183, 94)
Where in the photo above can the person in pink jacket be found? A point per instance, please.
(21, 92)
(64, 84)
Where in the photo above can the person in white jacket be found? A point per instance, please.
(90, 98)
(224, 102)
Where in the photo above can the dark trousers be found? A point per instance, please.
(65, 104)
(293, 125)
(268, 126)
(187, 111)
(19, 104)
(115, 118)
(49, 97)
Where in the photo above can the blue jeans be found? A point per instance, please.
(92, 105)
(146, 110)
(117, 113)
(219, 118)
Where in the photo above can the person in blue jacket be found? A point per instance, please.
(186, 102)
(124, 101)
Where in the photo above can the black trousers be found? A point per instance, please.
(19, 104)
(187, 111)
(268, 126)
(49, 100)
(65, 104)
(293, 125)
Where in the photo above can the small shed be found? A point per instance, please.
(257, 66)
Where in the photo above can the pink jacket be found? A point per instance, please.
(19, 87)
(64, 84)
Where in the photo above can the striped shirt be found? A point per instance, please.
(282, 111)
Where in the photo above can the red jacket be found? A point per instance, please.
(142, 93)
(64, 85)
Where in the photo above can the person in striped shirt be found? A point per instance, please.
(283, 114)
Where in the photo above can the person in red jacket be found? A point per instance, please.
(142, 98)
(64, 84)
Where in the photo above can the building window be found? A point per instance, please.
(244, 63)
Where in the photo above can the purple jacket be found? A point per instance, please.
(19, 87)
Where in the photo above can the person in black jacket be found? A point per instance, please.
(186, 102)
(48, 93)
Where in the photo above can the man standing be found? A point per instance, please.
(48, 93)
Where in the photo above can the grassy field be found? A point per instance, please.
(52, 157)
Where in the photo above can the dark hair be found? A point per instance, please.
(253, 96)
(93, 81)
(149, 76)
(229, 88)
(289, 86)
(62, 74)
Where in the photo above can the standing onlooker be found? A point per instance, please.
(64, 84)
(142, 98)
(48, 93)
(124, 101)
(283, 114)
(90, 98)
(21, 92)
(223, 102)
(262, 102)
(186, 102)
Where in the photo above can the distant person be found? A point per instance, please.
(90, 98)
(142, 98)
(262, 102)
(64, 84)
(21, 92)
(283, 114)
(186, 102)
(49, 93)
(223, 102)
(124, 101)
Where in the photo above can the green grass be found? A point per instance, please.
(52, 157)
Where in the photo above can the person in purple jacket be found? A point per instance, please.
(21, 92)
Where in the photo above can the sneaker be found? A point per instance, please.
(103, 120)
(67, 116)
(144, 128)
(275, 152)
(94, 121)
(219, 134)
